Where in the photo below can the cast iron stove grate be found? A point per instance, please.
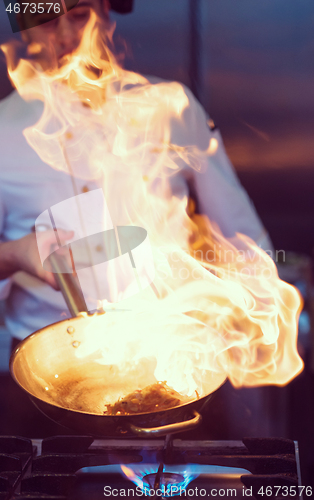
(54, 468)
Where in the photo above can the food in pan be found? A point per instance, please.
(152, 398)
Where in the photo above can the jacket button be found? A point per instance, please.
(85, 189)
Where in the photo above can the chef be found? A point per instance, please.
(28, 186)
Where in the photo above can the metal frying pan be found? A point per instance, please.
(73, 391)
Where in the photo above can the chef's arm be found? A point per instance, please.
(23, 255)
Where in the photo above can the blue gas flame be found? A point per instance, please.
(136, 473)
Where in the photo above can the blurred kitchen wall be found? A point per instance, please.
(259, 79)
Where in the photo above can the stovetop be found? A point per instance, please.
(84, 468)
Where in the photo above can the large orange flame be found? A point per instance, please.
(217, 307)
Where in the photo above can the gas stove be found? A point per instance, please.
(84, 468)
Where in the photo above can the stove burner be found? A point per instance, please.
(78, 467)
(169, 483)
(168, 480)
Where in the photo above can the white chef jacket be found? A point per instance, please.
(28, 187)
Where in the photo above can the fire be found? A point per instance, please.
(174, 478)
(129, 473)
(216, 307)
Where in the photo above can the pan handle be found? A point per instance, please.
(67, 282)
(69, 287)
(167, 429)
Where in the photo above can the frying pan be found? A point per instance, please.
(73, 391)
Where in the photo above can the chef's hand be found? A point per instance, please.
(23, 255)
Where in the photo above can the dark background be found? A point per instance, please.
(251, 63)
